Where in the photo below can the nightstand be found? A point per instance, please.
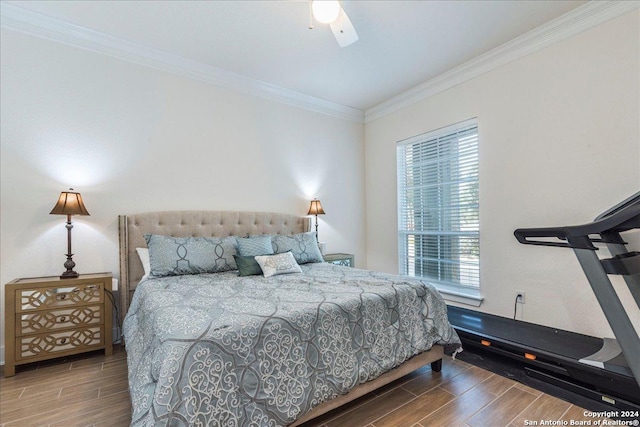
(339, 259)
(48, 317)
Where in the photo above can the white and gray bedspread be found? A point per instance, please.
(223, 350)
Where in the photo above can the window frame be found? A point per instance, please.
(452, 291)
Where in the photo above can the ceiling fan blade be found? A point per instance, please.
(343, 30)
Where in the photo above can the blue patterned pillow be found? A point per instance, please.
(172, 256)
(303, 246)
(255, 245)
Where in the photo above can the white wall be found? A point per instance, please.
(132, 139)
(559, 143)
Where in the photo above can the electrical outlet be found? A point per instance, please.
(520, 297)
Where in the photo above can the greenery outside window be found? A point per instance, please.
(438, 207)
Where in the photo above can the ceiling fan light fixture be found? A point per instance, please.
(325, 11)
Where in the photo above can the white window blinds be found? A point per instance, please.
(438, 221)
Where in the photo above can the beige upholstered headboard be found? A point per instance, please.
(132, 229)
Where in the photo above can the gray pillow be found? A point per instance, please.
(172, 256)
(255, 245)
(247, 265)
(303, 246)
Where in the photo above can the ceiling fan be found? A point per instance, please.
(331, 12)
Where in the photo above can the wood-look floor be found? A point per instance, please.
(91, 390)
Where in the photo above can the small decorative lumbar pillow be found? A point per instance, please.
(172, 256)
(255, 245)
(273, 265)
(303, 246)
(247, 265)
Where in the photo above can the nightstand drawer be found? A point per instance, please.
(44, 298)
(80, 339)
(340, 259)
(61, 318)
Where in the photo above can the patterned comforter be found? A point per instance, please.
(223, 350)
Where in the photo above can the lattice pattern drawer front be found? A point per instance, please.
(35, 299)
(346, 262)
(339, 259)
(36, 345)
(45, 321)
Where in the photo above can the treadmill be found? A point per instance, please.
(606, 369)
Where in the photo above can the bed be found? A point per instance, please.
(223, 349)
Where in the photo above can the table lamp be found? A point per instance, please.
(316, 209)
(69, 203)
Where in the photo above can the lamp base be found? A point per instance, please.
(69, 275)
(69, 264)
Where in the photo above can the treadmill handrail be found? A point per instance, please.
(622, 205)
(577, 236)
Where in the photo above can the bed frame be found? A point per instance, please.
(132, 229)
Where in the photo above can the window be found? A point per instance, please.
(438, 221)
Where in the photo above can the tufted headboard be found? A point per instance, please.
(132, 229)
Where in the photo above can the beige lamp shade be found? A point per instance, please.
(69, 203)
(315, 208)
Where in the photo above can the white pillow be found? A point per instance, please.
(143, 254)
(273, 265)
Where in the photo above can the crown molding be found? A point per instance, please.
(36, 24)
(580, 19)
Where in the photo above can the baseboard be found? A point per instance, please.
(1, 355)
(114, 334)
